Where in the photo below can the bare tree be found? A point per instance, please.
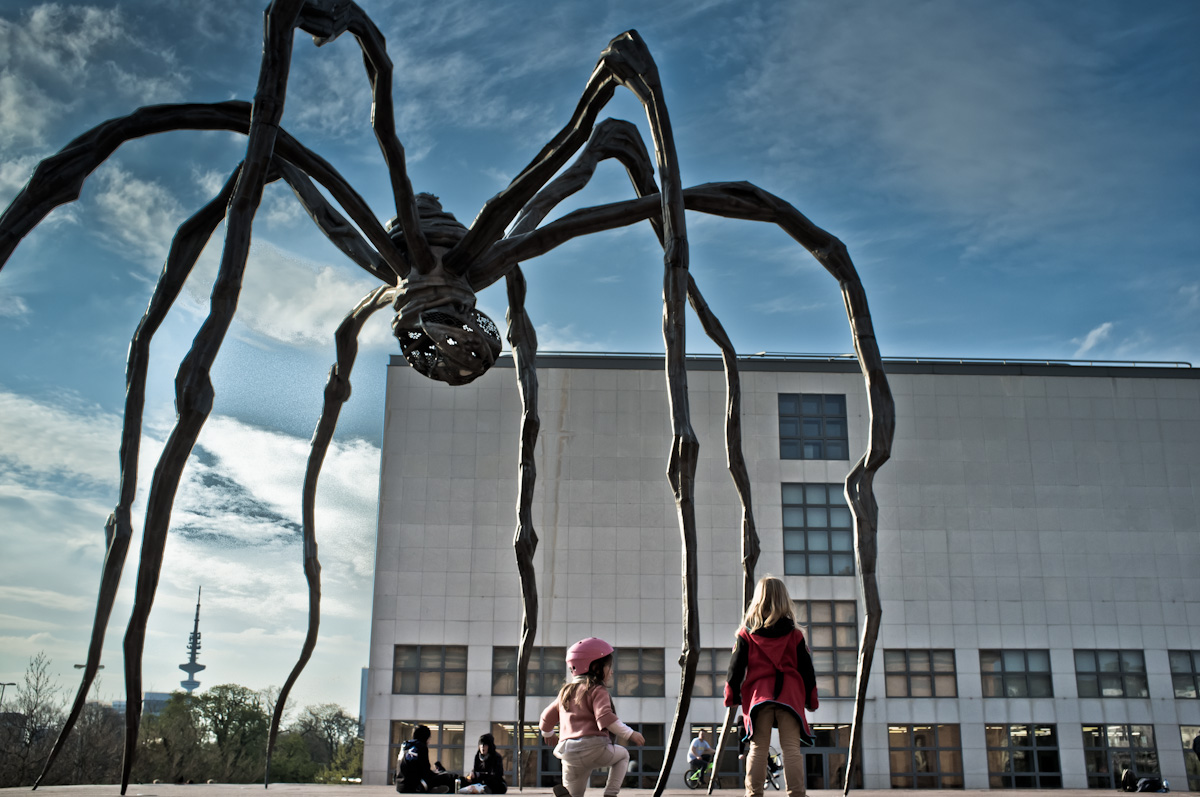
(29, 723)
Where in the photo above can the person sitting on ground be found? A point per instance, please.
(413, 772)
(488, 769)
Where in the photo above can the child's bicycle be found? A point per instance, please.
(698, 777)
(774, 764)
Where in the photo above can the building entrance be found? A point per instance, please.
(825, 763)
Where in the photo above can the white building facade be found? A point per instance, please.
(1039, 562)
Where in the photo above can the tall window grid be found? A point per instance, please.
(925, 756)
(711, 672)
(917, 672)
(1185, 673)
(639, 672)
(812, 426)
(1108, 750)
(429, 670)
(540, 768)
(1111, 673)
(818, 531)
(832, 631)
(446, 743)
(1023, 757)
(547, 670)
(1015, 673)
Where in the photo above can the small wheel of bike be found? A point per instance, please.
(692, 779)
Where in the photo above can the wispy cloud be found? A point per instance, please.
(42, 597)
(1191, 296)
(1092, 339)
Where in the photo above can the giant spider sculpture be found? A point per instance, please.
(431, 267)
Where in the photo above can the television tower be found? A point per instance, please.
(192, 667)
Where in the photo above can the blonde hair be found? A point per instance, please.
(770, 604)
(592, 678)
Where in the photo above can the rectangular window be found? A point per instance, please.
(812, 426)
(1023, 757)
(547, 671)
(917, 672)
(925, 756)
(1190, 736)
(639, 672)
(540, 770)
(710, 674)
(729, 768)
(446, 744)
(832, 631)
(429, 670)
(825, 761)
(818, 531)
(1015, 673)
(1108, 750)
(1185, 673)
(1111, 673)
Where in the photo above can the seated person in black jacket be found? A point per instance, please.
(413, 773)
(488, 769)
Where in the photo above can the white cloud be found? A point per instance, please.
(136, 215)
(13, 307)
(234, 530)
(41, 597)
(1092, 339)
(75, 440)
(567, 338)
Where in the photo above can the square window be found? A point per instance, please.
(925, 756)
(813, 426)
(1185, 674)
(547, 670)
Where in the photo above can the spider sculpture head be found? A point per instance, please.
(441, 333)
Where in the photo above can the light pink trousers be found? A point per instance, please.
(765, 719)
(580, 756)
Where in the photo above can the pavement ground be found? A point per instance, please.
(317, 790)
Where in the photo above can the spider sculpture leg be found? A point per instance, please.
(337, 392)
(620, 140)
(627, 62)
(523, 340)
(189, 241)
(747, 201)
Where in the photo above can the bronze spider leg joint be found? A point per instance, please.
(337, 393)
(328, 19)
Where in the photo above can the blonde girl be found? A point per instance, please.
(583, 712)
(771, 677)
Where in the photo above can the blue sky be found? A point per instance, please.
(1012, 180)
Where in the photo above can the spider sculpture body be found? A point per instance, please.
(430, 267)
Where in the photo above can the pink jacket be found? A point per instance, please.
(589, 714)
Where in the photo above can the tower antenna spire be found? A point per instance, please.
(191, 667)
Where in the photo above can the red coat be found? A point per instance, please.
(772, 665)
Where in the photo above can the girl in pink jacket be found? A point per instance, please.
(588, 726)
(771, 677)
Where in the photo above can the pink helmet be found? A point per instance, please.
(581, 655)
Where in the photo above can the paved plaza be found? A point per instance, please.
(314, 790)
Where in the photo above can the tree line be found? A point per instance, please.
(219, 735)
